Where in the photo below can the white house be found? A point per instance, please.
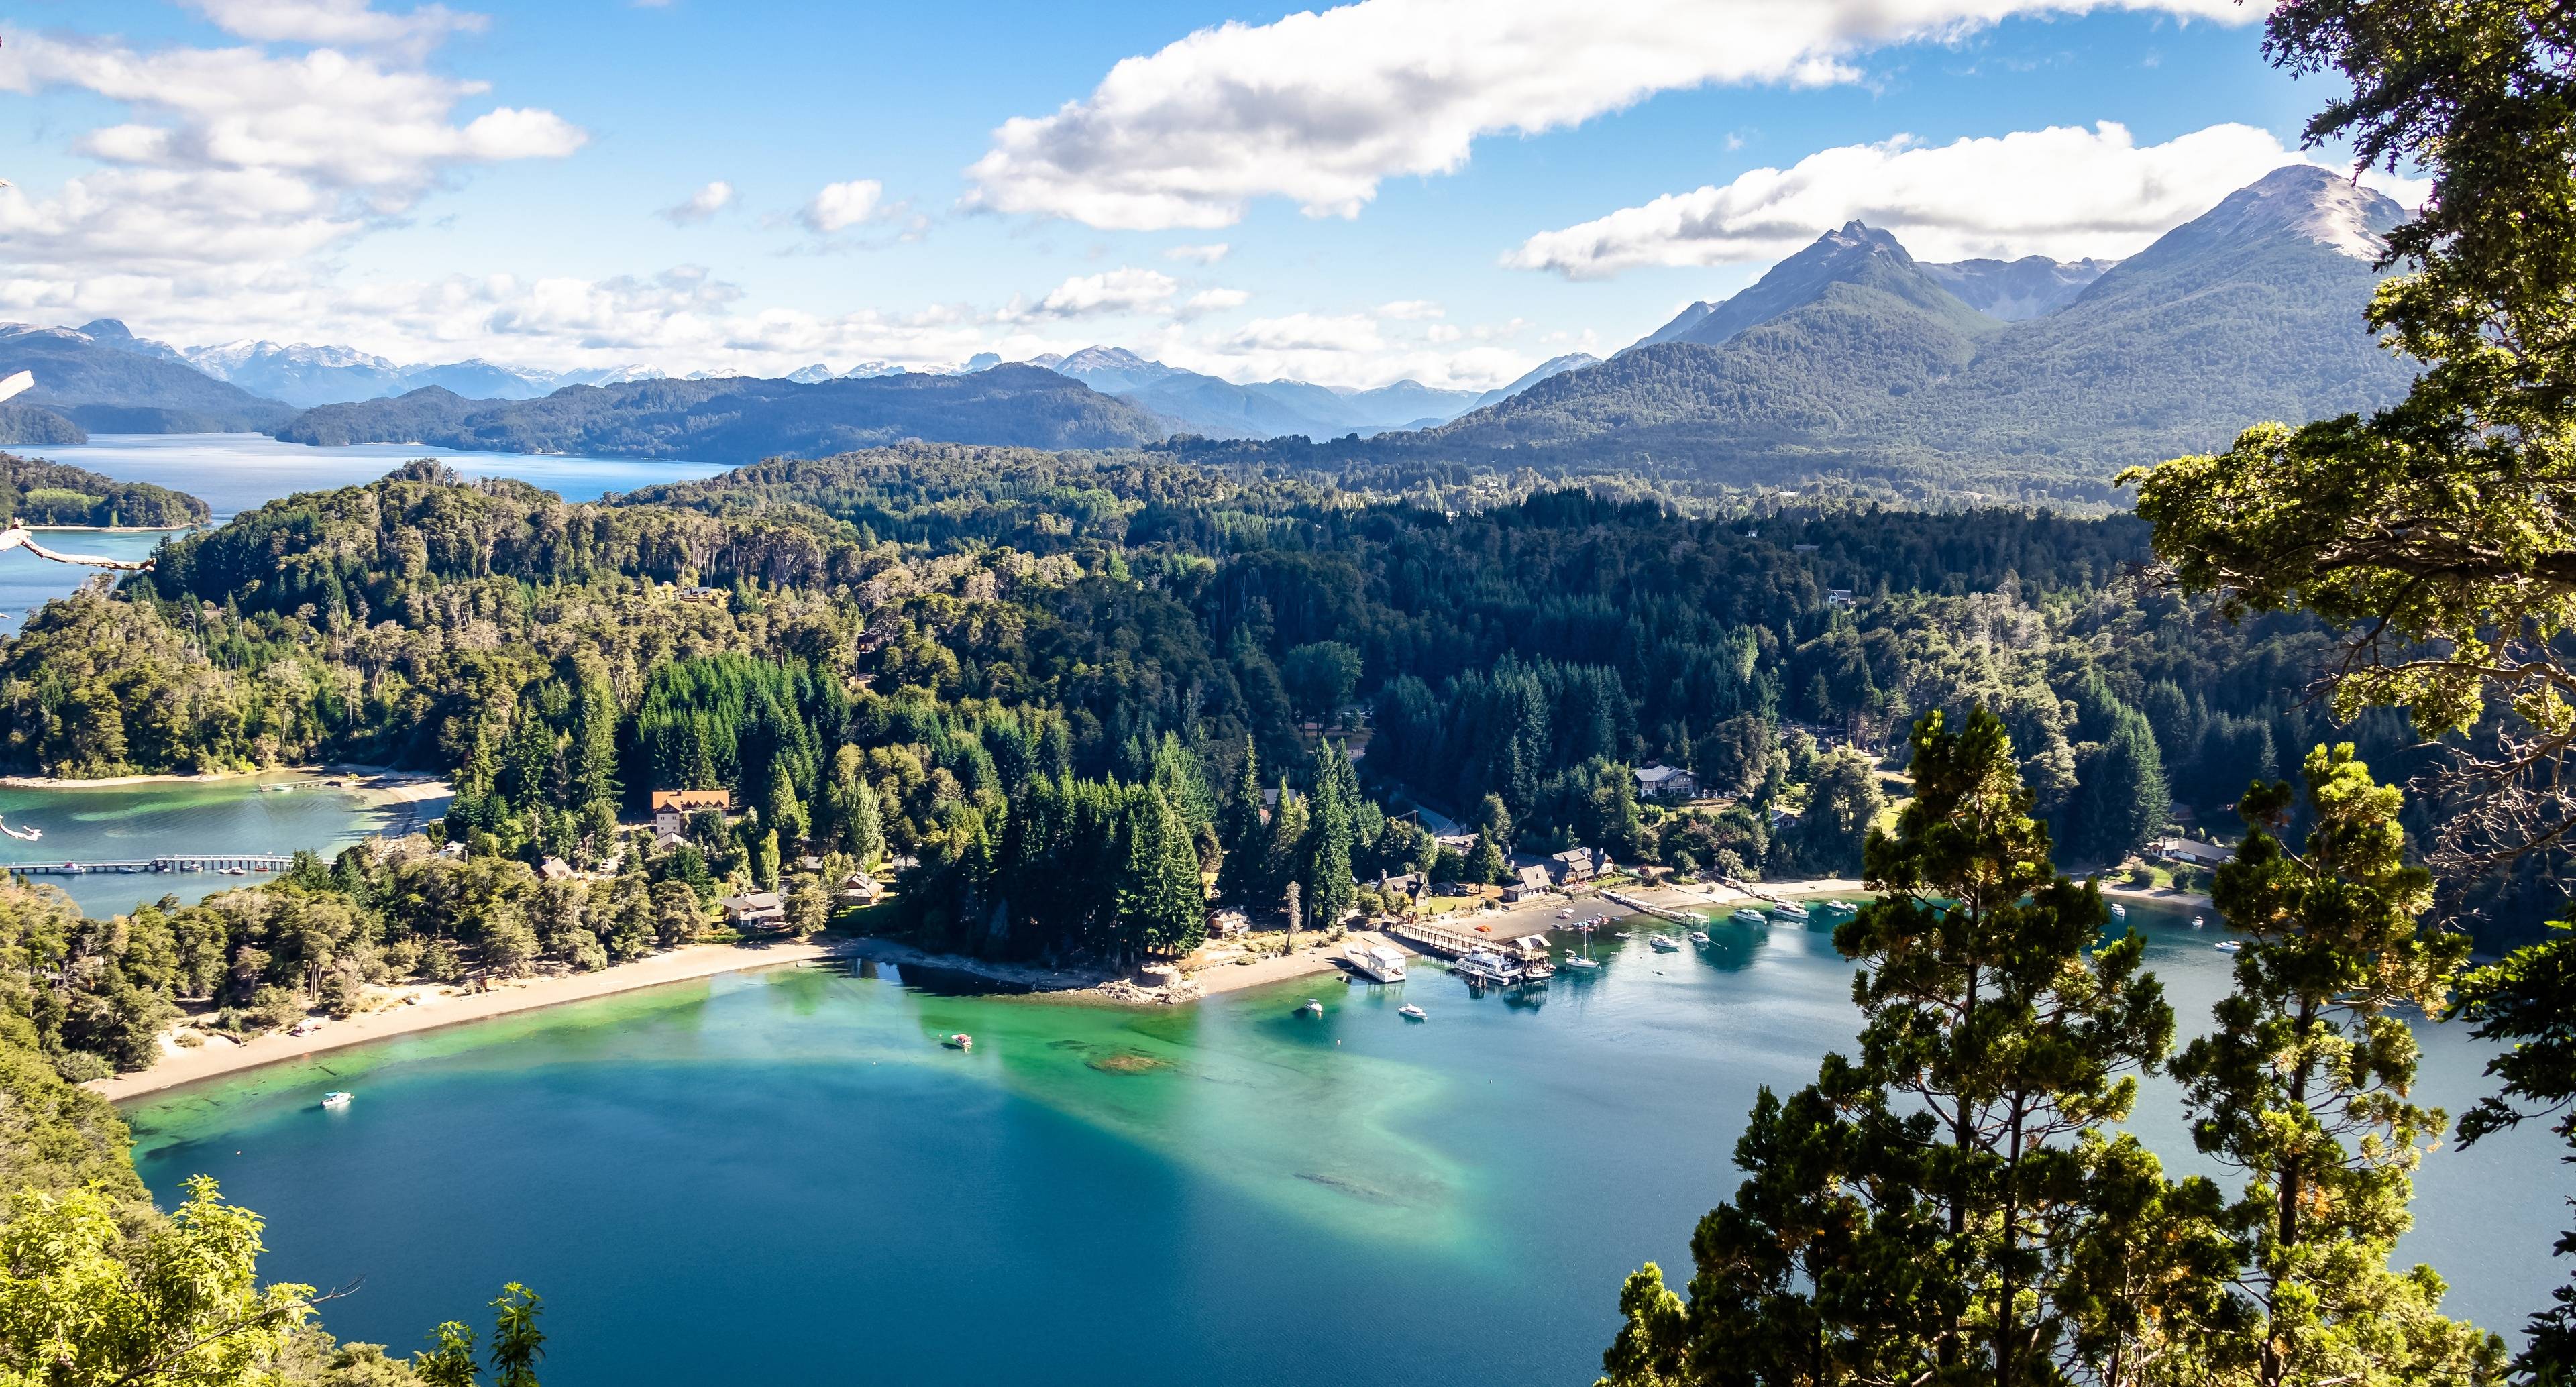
(1666, 782)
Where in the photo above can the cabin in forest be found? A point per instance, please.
(757, 910)
(1576, 866)
(1666, 782)
(672, 808)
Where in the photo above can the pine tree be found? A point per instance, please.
(1242, 877)
(1160, 906)
(1928, 1211)
(1330, 889)
(2303, 1087)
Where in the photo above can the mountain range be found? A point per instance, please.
(1213, 407)
(1852, 358)
(740, 419)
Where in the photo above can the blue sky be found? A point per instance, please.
(1424, 188)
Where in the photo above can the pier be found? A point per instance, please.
(1657, 911)
(183, 862)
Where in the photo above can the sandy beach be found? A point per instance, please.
(445, 1006)
(428, 1008)
(377, 784)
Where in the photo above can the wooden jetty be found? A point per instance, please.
(1657, 911)
(179, 862)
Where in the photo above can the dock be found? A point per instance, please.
(182, 862)
(1659, 912)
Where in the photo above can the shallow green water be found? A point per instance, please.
(783, 1176)
(125, 823)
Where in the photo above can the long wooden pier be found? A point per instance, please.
(181, 862)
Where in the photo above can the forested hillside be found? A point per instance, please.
(735, 419)
(37, 492)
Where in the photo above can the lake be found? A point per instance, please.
(782, 1176)
(235, 472)
(127, 822)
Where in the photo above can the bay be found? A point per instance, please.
(782, 1176)
(162, 818)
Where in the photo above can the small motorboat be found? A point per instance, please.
(2119, 912)
(1750, 916)
(1411, 1012)
(2197, 922)
(1699, 936)
(1312, 1008)
(336, 1099)
(958, 1040)
(1663, 944)
(2228, 946)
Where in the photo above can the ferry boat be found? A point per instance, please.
(1750, 916)
(1381, 962)
(1411, 1012)
(1663, 944)
(1481, 965)
(336, 1099)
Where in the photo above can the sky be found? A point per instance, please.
(1438, 190)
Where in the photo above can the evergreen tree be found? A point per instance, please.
(780, 809)
(1242, 878)
(1161, 908)
(2529, 999)
(1921, 1214)
(1284, 845)
(1486, 864)
(2303, 1087)
(2122, 797)
(590, 753)
(1330, 889)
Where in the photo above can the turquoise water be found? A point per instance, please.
(782, 1176)
(122, 823)
(235, 472)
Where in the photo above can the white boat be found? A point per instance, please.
(1750, 916)
(2197, 922)
(1699, 936)
(1381, 962)
(335, 1099)
(1581, 963)
(1312, 1008)
(1789, 910)
(1412, 1013)
(959, 1041)
(2119, 912)
(1663, 944)
(2228, 946)
(1482, 965)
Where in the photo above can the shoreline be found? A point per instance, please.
(376, 785)
(426, 1008)
(437, 1007)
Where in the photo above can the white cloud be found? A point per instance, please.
(1408, 310)
(338, 23)
(841, 206)
(1322, 107)
(1215, 301)
(2064, 192)
(1122, 290)
(700, 205)
(1198, 255)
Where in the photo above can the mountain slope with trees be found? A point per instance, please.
(740, 419)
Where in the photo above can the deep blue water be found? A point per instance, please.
(782, 1177)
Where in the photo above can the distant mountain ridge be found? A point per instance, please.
(97, 379)
(1851, 357)
(745, 419)
(1214, 407)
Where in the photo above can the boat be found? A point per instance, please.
(1581, 963)
(1750, 916)
(1411, 1012)
(1791, 911)
(336, 1099)
(1699, 936)
(959, 1040)
(1381, 962)
(1663, 944)
(1312, 1008)
(2228, 946)
(2197, 921)
(1565, 914)
(2119, 912)
(1485, 966)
